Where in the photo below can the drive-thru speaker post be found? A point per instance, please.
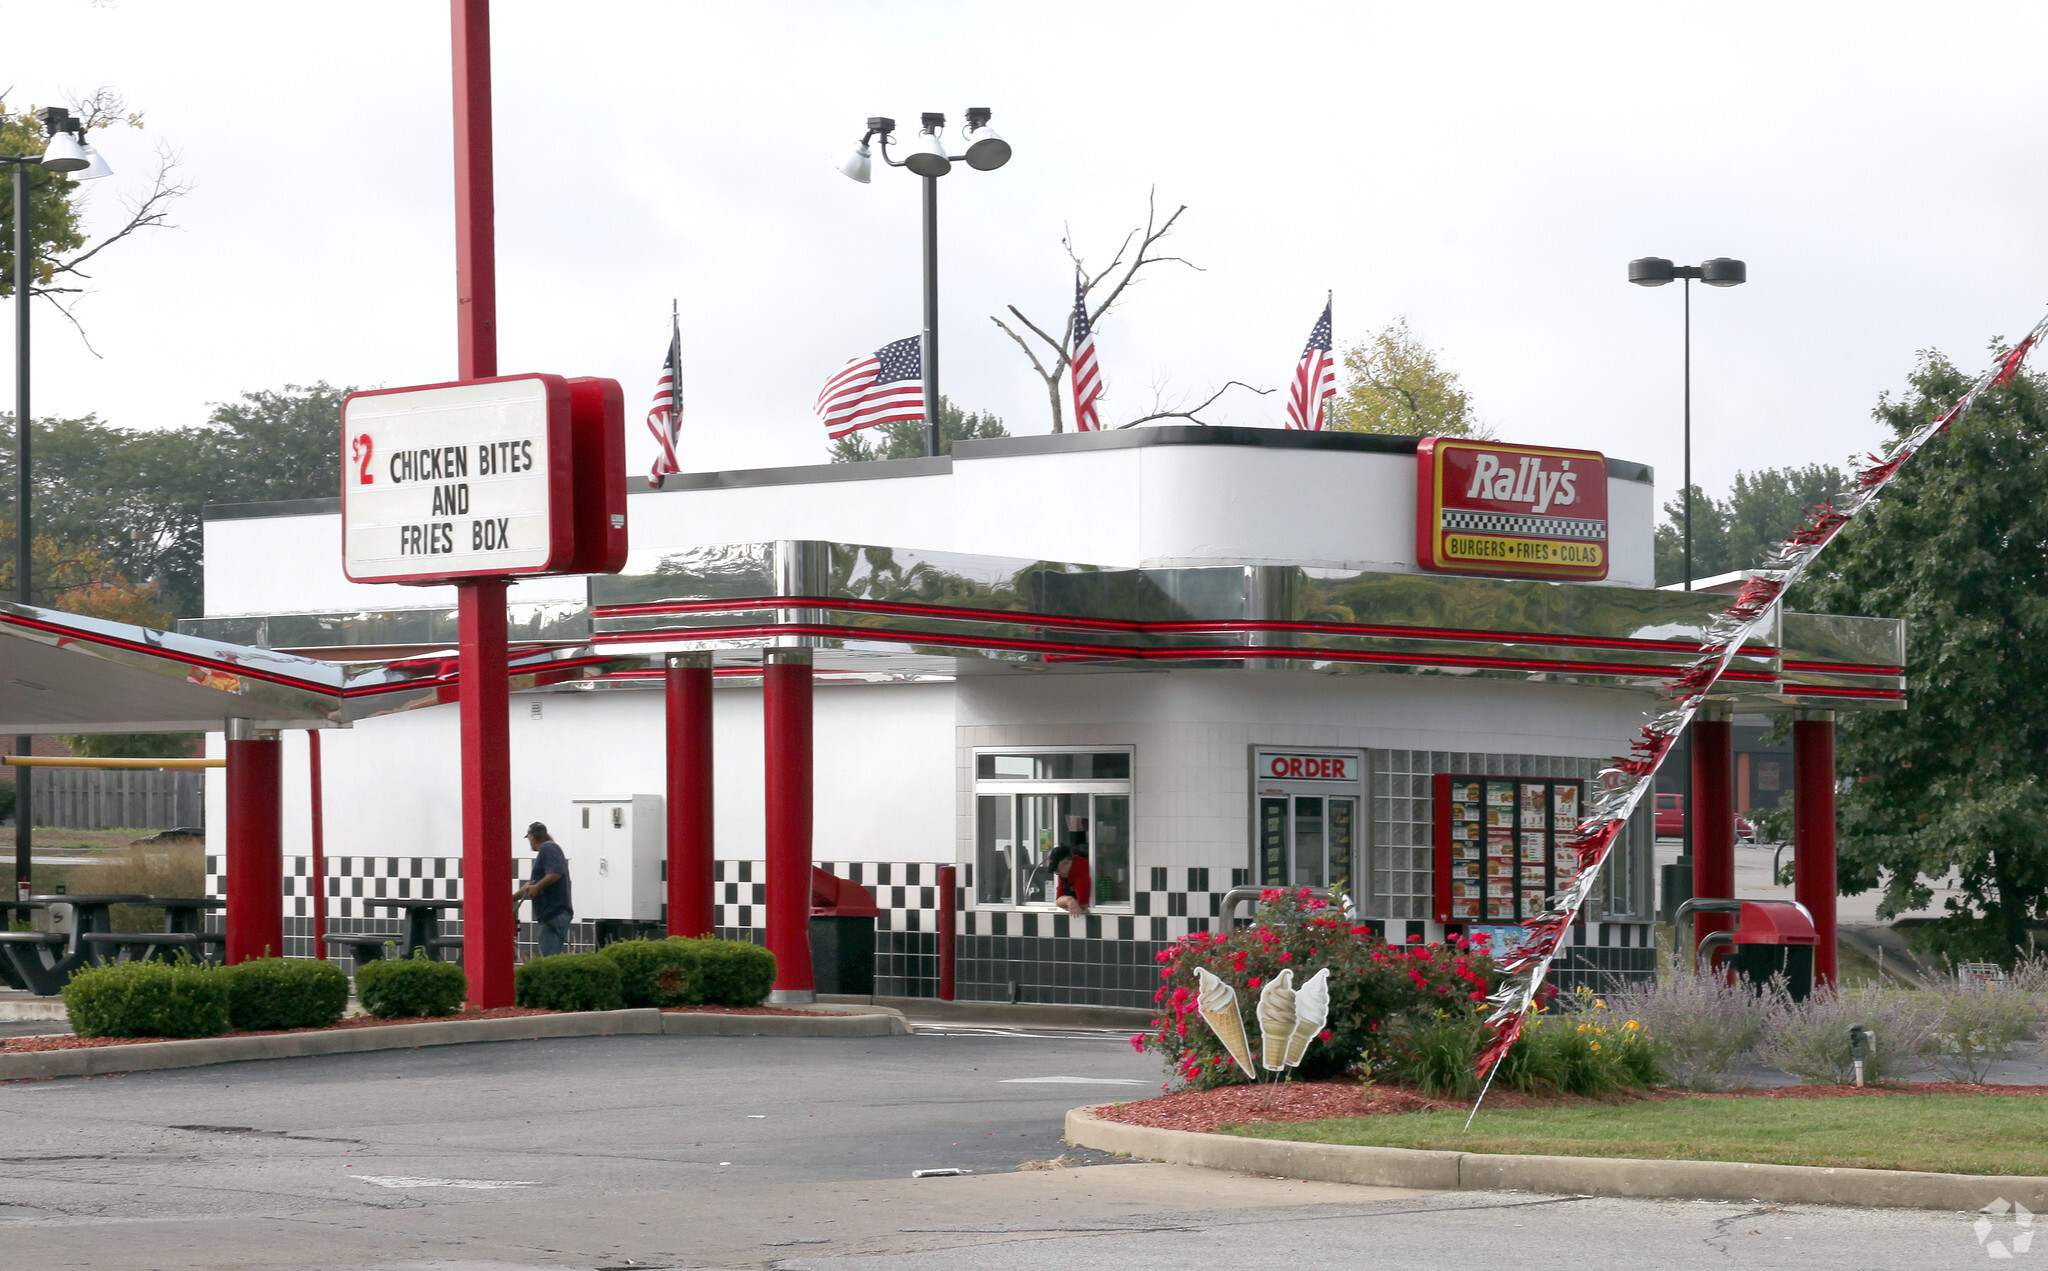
(479, 483)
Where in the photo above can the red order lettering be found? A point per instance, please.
(1279, 766)
(1294, 767)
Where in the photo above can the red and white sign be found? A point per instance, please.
(1485, 507)
(1273, 765)
(481, 479)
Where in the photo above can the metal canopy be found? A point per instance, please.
(62, 673)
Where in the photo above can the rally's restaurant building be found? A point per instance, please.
(1226, 657)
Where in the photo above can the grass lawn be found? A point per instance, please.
(1946, 1133)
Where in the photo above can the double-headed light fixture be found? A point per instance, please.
(985, 151)
(1655, 271)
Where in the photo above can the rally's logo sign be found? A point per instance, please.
(1514, 511)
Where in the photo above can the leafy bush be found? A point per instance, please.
(1587, 1053)
(1705, 1027)
(148, 999)
(1810, 1039)
(569, 982)
(1975, 1025)
(401, 988)
(733, 972)
(276, 993)
(1371, 983)
(659, 972)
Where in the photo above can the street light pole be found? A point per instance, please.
(1655, 271)
(929, 347)
(928, 160)
(65, 152)
(24, 273)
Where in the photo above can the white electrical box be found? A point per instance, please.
(615, 847)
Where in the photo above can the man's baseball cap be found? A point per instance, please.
(537, 828)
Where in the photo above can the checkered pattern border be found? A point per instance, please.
(1525, 525)
(1177, 901)
(351, 879)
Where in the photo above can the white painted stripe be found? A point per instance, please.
(476, 1184)
(1073, 1081)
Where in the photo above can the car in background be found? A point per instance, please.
(1671, 820)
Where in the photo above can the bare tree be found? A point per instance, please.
(104, 108)
(1110, 283)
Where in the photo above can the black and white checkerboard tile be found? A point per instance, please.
(354, 879)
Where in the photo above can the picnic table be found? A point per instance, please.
(422, 931)
(10, 910)
(184, 930)
(43, 960)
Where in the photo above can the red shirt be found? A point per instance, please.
(1075, 883)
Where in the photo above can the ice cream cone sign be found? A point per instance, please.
(1217, 1003)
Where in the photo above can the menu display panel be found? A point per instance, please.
(1502, 845)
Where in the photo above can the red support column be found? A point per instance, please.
(318, 890)
(488, 921)
(1713, 816)
(690, 848)
(476, 257)
(255, 873)
(948, 929)
(786, 712)
(1813, 831)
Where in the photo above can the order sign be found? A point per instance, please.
(1514, 511)
(457, 480)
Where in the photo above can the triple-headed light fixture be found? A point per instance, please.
(984, 151)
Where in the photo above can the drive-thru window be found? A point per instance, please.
(1027, 803)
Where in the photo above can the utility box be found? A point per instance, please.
(615, 845)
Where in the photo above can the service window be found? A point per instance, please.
(1028, 803)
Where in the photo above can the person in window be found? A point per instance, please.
(1070, 866)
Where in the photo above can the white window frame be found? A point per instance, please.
(1010, 786)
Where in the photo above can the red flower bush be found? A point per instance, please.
(1370, 982)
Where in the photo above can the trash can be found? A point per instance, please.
(843, 917)
(1771, 938)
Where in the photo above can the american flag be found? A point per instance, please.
(1315, 379)
(1087, 376)
(883, 387)
(665, 417)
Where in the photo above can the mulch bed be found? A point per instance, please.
(1203, 1111)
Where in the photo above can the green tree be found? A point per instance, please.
(136, 498)
(55, 200)
(1393, 383)
(50, 194)
(1739, 531)
(907, 440)
(1958, 547)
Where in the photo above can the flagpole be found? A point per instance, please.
(675, 380)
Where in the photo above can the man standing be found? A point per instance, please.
(548, 889)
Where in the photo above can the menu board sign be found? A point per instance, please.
(1511, 511)
(1502, 845)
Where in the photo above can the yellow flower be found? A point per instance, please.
(1583, 1027)
(1599, 1005)
(1632, 1026)
(1596, 1045)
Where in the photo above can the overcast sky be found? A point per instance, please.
(1486, 171)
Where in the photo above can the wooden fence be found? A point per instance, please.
(117, 799)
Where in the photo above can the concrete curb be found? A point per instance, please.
(1567, 1175)
(194, 1052)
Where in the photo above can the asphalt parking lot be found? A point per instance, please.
(755, 1152)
